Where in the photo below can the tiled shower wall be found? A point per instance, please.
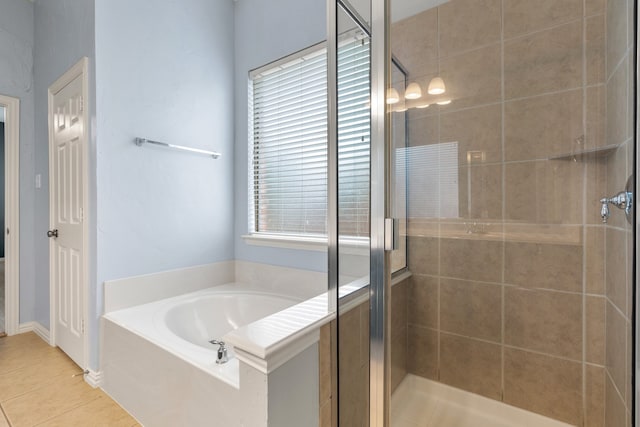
(511, 298)
(618, 248)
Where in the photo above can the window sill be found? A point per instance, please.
(319, 244)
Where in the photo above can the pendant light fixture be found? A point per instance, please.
(392, 96)
(436, 86)
(413, 91)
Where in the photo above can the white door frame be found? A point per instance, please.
(12, 213)
(81, 68)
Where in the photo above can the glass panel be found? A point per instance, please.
(353, 221)
(519, 120)
(399, 170)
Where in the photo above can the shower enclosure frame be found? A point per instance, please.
(380, 257)
(635, 408)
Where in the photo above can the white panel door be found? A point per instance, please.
(67, 189)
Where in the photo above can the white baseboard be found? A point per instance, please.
(35, 327)
(94, 378)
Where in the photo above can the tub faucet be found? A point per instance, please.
(222, 352)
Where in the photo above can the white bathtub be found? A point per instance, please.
(157, 363)
(185, 324)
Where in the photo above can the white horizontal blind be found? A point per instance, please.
(288, 166)
(354, 138)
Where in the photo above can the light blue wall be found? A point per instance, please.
(266, 31)
(164, 72)
(64, 33)
(16, 80)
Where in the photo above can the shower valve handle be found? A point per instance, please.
(623, 200)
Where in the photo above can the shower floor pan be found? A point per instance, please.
(419, 402)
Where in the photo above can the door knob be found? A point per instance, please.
(52, 233)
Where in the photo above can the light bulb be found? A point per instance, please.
(392, 96)
(436, 86)
(413, 91)
(444, 102)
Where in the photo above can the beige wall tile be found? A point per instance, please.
(547, 61)
(595, 377)
(423, 129)
(472, 78)
(616, 181)
(596, 189)
(354, 399)
(532, 193)
(615, 411)
(617, 21)
(539, 265)
(349, 344)
(594, 248)
(471, 309)
(595, 330)
(398, 360)
(596, 105)
(353, 369)
(324, 350)
(467, 24)
(617, 127)
(423, 301)
(399, 307)
(543, 384)
(480, 192)
(616, 348)
(544, 126)
(471, 365)
(593, 7)
(422, 352)
(423, 255)
(616, 277)
(475, 129)
(630, 277)
(544, 321)
(479, 260)
(525, 16)
(325, 414)
(414, 41)
(364, 333)
(595, 49)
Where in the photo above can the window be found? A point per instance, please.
(288, 143)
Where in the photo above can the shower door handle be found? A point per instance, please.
(391, 232)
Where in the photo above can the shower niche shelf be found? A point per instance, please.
(592, 153)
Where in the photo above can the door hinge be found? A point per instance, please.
(82, 326)
(81, 104)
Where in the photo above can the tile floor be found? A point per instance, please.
(37, 389)
(2, 296)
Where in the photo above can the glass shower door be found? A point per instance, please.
(520, 133)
